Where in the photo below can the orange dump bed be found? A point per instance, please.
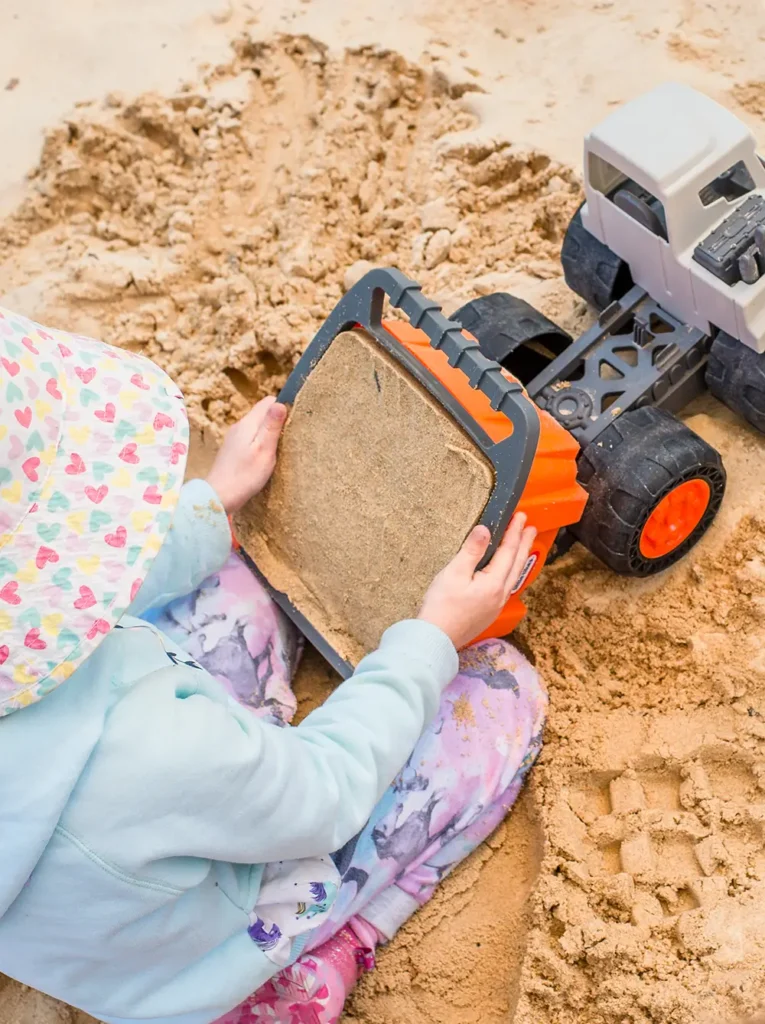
(532, 456)
(551, 499)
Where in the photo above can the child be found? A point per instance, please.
(170, 845)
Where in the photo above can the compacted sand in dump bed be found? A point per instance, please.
(374, 482)
(212, 229)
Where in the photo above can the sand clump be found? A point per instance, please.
(214, 230)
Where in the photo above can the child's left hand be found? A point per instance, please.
(247, 457)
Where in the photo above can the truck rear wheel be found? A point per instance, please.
(655, 487)
(590, 268)
(736, 376)
(513, 333)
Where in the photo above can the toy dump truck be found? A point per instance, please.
(669, 247)
(402, 436)
(405, 432)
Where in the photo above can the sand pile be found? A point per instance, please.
(212, 229)
(651, 901)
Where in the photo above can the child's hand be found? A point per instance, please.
(247, 457)
(464, 602)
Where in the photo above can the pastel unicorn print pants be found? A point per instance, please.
(461, 780)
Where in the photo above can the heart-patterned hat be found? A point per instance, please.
(93, 444)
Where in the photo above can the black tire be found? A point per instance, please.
(561, 546)
(627, 471)
(513, 333)
(736, 375)
(591, 270)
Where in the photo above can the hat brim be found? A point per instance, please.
(110, 441)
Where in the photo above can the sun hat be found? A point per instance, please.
(93, 445)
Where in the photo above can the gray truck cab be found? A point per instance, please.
(674, 187)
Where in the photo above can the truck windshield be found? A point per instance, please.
(730, 185)
(625, 193)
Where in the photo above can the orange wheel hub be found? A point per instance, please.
(675, 518)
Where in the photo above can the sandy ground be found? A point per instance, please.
(212, 224)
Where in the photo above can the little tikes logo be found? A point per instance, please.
(531, 561)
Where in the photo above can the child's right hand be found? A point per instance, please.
(464, 601)
(247, 457)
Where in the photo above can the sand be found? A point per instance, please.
(213, 226)
(375, 481)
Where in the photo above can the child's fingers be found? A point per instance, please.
(472, 551)
(255, 418)
(271, 428)
(503, 558)
(275, 418)
(263, 450)
(524, 550)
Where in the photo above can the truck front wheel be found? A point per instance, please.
(513, 333)
(655, 487)
(736, 376)
(590, 268)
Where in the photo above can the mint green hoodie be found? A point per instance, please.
(139, 803)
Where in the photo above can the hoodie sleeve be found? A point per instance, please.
(197, 545)
(216, 782)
